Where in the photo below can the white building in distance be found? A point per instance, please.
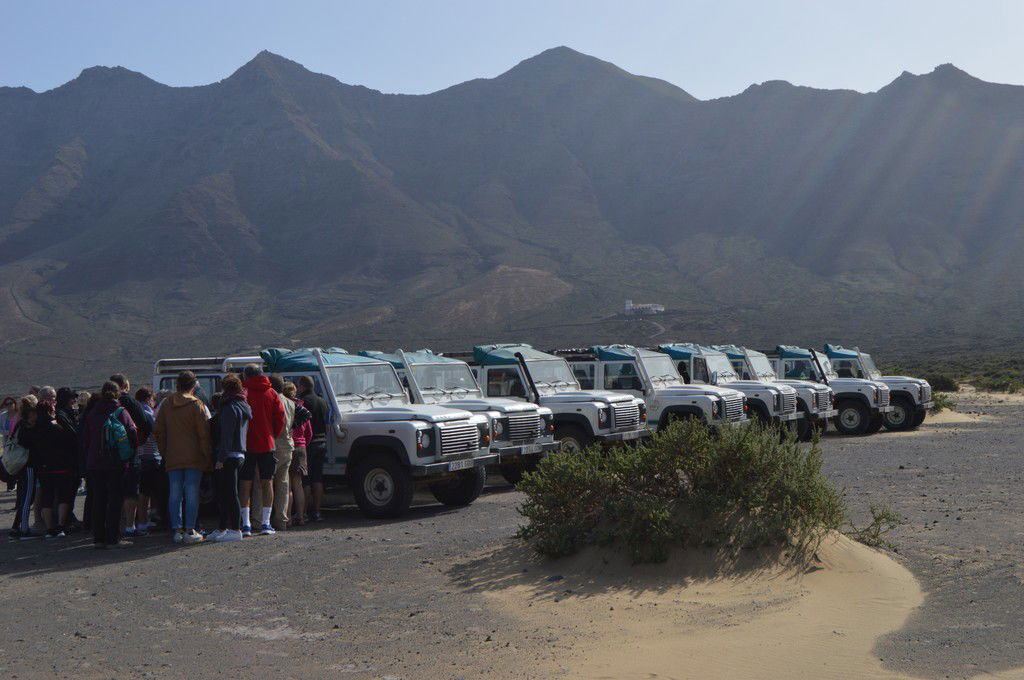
(643, 308)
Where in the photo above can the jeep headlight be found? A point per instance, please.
(875, 389)
(643, 413)
(423, 440)
(604, 416)
(716, 408)
(499, 427)
(549, 422)
(777, 400)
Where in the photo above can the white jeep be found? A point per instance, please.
(652, 376)
(861, 404)
(910, 397)
(814, 400)
(379, 442)
(582, 417)
(770, 402)
(521, 432)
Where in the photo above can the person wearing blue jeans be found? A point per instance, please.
(182, 434)
(184, 485)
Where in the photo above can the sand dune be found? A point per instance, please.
(684, 619)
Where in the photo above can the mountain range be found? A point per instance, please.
(283, 207)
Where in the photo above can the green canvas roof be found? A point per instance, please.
(503, 355)
(793, 352)
(840, 352)
(280, 360)
(420, 356)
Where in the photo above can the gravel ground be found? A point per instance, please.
(359, 599)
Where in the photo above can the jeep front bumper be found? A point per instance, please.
(823, 415)
(511, 452)
(925, 406)
(883, 409)
(795, 415)
(631, 435)
(444, 467)
(732, 424)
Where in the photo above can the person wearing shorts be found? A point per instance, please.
(268, 420)
(316, 447)
(302, 432)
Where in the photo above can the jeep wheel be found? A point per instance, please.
(804, 427)
(513, 471)
(853, 418)
(572, 438)
(901, 417)
(463, 489)
(919, 417)
(875, 424)
(383, 488)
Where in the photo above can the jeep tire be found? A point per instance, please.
(853, 418)
(875, 424)
(461, 490)
(383, 488)
(572, 438)
(902, 416)
(919, 417)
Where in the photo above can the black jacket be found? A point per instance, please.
(232, 423)
(51, 448)
(318, 410)
(138, 416)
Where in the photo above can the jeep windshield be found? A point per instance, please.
(719, 363)
(661, 370)
(455, 380)
(365, 382)
(826, 365)
(552, 374)
(867, 365)
(761, 367)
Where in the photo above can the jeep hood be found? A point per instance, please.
(576, 396)
(496, 404)
(697, 390)
(900, 380)
(428, 413)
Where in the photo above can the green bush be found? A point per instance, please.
(686, 486)
(999, 382)
(883, 520)
(941, 382)
(942, 401)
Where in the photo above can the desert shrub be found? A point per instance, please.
(942, 401)
(942, 382)
(686, 486)
(999, 381)
(883, 520)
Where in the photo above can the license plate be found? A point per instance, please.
(636, 434)
(530, 448)
(460, 465)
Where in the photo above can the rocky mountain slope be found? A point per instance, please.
(278, 205)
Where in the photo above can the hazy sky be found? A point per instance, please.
(709, 48)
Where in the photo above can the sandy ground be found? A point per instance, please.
(684, 619)
(446, 593)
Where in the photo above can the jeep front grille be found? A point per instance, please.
(523, 427)
(824, 402)
(457, 440)
(883, 396)
(733, 407)
(789, 403)
(927, 393)
(625, 416)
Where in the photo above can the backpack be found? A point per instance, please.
(115, 438)
(15, 457)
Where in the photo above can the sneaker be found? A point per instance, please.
(228, 535)
(316, 517)
(193, 536)
(129, 532)
(142, 531)
(51, 534)
(246, 530)
(215, 534)
(267, 530)
(61, 534)
(121, 544)
(179, 536)
(29, 535)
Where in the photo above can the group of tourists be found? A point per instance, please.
(143, 458)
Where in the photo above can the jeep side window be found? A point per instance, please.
(505, 382)
(621, 376)
(700, 370)
(846, 368)
(684, 371)
(798, 369)
(584, 373)
(741, 369)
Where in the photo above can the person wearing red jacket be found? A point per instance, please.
(266, 424)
